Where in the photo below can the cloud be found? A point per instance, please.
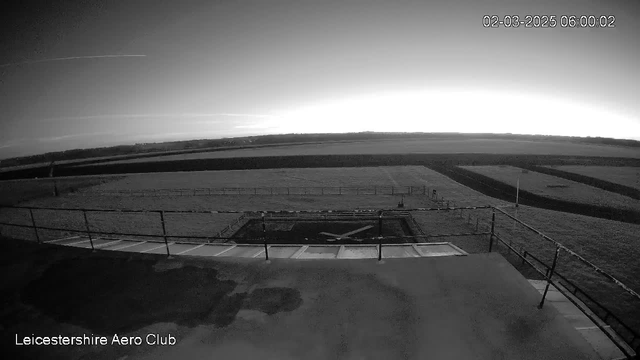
(71, 136)
(69, 58)
(152, 115)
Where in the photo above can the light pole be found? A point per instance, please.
(518, 189)
(517, 198)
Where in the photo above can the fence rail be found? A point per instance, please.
(632, 337)
(548, 273)
(408, 190)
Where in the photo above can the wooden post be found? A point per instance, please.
(375, 190)
(477, 220)
(35, 229)
(553, 267)
(86, 224)
(380, 236)
(164, 233)
(340, 190)
(493, 223)
(264, 236)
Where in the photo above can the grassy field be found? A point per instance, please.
(16, 191)
(209, 224)
(547, 185)
(629, 176)
(438, 146)
(366, 176)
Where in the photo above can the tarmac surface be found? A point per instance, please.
(453, 307)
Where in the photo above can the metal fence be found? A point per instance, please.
(551, 274)
(549, 271)
(278, 190)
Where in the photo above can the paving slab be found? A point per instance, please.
(437, 250)
(121, 245)
(243, 251)
(601, 344)
(97, 243)
(72, 241)
(320, 252)
(283, 252)
(359, 252)
(142, 247)
(399, 251)
(210, 250)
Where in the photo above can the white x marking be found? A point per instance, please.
(345, 235)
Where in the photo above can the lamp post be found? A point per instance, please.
(518, 189)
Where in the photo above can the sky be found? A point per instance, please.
(80, 74)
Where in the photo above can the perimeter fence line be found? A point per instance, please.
(631, 336)
(408, 190)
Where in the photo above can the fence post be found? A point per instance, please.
(264, 237)
(35, 229)
(375, 190)
(392, 190)
(288, 192)
(380, 237)
(493, 223)
(424, 189)
(340, 190)
(164, 234)
(86, 224)
(553, 267)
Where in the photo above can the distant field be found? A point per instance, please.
(311, 177)
(489, 146)
(15, 191)
(628, 176)
(206, 225)
(549, 186)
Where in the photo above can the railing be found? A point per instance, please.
(632, 338)
(408, 190)
(527, 257)
(90, 232)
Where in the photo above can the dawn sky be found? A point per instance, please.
(77, 74)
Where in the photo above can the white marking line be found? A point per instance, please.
(591, 327)
(224, 251)
(390, 177)
(155, 248)
(299, 252)
(193, 248)
(77, 242)
(415, 247)
(130, 245)
(57, 240)
(346, 235)
(109, 243)
(261, 251)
